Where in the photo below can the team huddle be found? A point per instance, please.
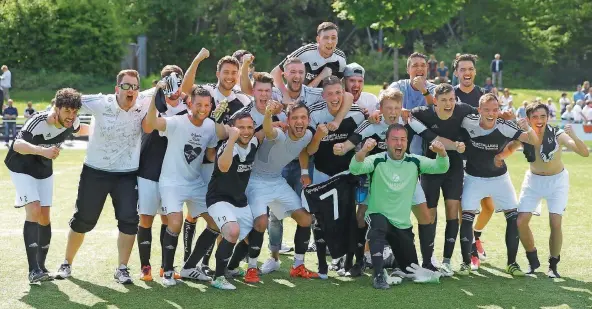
(305, 142)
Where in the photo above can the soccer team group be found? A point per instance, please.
(303, 142)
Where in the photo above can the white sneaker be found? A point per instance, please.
(270, 265)
(168, 279)
(122, 275)
(64, 271)
(435, 262)
(195, 274)
(446, 270)
(391, 280)
(341, 272)
(223, 284)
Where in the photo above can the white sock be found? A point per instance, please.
(252, 262)
(298, 259)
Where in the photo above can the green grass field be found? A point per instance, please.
(92, 285)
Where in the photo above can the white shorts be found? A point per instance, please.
(148, 197)
(224, 212)
(554, 189)
(30, 189)
(206, 170)
(418, 195)
(499, 188)
(173, 198)
(274, 193)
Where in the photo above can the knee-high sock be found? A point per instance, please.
(240, 252)
(301, 238)
(255, 243)
(44, 240)
(188, 233)
(170, 242)
(450, 234)
(512, 239)
(163, 228)
(144, 245)
(205, 243)
(466, 236)
(426, 242)
(222, 256)
(359, 253)
(31, 236)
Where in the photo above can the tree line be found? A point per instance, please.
(544, 43)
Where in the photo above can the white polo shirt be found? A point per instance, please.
(115, 143)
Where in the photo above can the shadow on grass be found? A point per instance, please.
(488, 288)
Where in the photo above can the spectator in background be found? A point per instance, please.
(510, 107)
(488, 85)
(432, 67)
(51, 104)
(521, 111)
(578, 95)
(567, 116)
(384, 86)
(506, 98)
(454, 77)
(576, 112)
(154, 82)
(443, 72)
(30, 110)
(496, 94)
(9, 116)
(588, 96)
(563, 102)
(497, 66)
(586, 87)
(587, 111)
(552, 109)
(6, 82)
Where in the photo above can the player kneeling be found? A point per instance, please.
(226, 198)
(30, 165)
(394, 178)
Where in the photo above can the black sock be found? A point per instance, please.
(553, 261)
(477, 234)
(533, 260)
(170, 240)
(255, 243)
(466, 236)
(188, 233)
(208, 254)
(426, 243)
(359, 253)
(450, 234)
(144, 245)
(319, 238)
(301, 238)
(163, 228)
(376, 252)
(205, 243)
(512, 239)
(349, 261)
(31, 236)
(240, 252)
(44, 240)
(222, 256)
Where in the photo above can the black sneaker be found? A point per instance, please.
(379, 283)
(552, 273)
(50, 277)
(355, 271)
(207, 270)
(430, 266)
(37, 275)
(533, 262)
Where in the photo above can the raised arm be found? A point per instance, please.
(320, 133)
(439, 165)
(278, 80)
(225, 159)
(529, 136)
(189, 78)
(268, 129)
(152, 121)
(245, 82)
(360, 164)
(571, 140)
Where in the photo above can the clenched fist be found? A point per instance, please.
(233, 133)
(460, 147)
(438, 148)
(203, 54)
(369, 145)
(339, 149)
(322, 130)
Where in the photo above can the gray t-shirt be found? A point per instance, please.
(273, 155)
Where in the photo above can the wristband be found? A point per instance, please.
(427, 93)
(303, 172)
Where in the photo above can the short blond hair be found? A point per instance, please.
(391, 94)
(486, 98)
(4, 67)
(132, 73)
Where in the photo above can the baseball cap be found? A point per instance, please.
(354, 69)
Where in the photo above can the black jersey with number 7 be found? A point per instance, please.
(333, 204)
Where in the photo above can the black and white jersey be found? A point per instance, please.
(308, 95)
(483, 145)
(258, 116)
(333, 204)
(38, 132)
(231, 186)
(375, 131)
(426, 123)
(471, 98)
(314, 63)
(154, 146)
(325, 161)
(236, 100)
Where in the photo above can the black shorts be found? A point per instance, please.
(451, 184)
(93, 188)
(401, 240)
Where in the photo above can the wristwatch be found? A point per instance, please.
(427, 93)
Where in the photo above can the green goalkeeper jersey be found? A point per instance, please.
(393, 183)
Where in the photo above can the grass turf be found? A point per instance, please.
(93, 286)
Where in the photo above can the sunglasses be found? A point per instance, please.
(128, 86)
